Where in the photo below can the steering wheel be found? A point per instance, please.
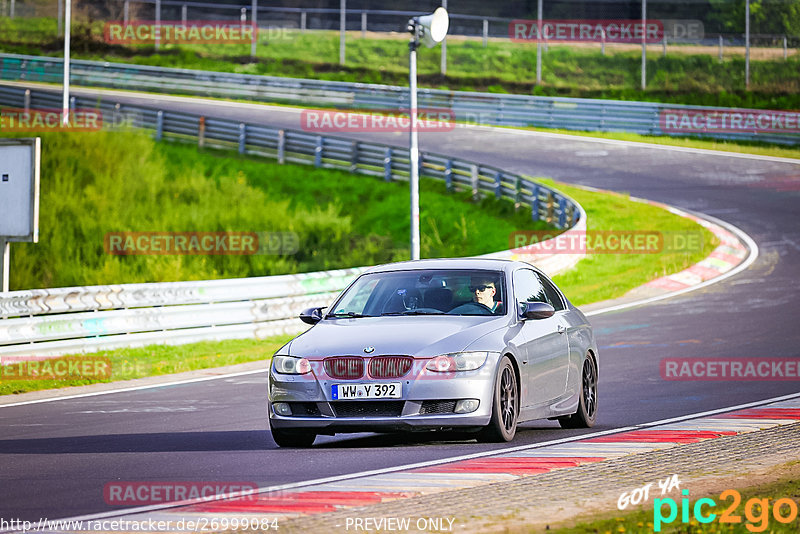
(472, 308)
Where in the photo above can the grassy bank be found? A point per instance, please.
(757, 520)
(606, 276)
(107, 182)
(598, 277)
(502, 66)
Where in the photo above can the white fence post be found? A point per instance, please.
(747, 46)
(158, 24)
(363, 24)
(342, 29)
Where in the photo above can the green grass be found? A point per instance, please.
(100, 182)
(93, 183)
(154, 360)
(607, 276)
(501, 67)
(642, 521)
(595, 278)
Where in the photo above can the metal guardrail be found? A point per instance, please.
(49, 322)
(578, 114)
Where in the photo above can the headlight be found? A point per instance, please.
(288, 365)
(458, 361)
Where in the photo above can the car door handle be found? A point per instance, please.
(562, 329)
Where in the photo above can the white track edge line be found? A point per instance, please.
(430, 463)
(751, 244)
(135, 388)
(752, 256)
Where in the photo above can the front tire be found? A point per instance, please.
(505, 406)
(293, 439)
(586, 415)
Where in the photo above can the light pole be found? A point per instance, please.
(431, 29)
(65, 96)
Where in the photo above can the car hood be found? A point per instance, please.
(419, 336)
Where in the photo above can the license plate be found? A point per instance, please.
(389, 390)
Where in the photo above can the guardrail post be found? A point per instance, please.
(562, 212)
(126, 9)
(387, 165)
(60, 29)
(72, 103)
(157, 29)
(184, 14)
(281, 146)
(318, 152)
(785, 48)
(201, 132)
(517, 202)
(354, 157)
(159, 125)
(498, 185)
(664, 44)
(242, 138)
(303, 21)
(363, 24)
(448, 175)
(475, 181)
(720, 47)
(603, 42)
(485, 33)
(254, 28)
(27, 100)
(535, 203)
(550, 205)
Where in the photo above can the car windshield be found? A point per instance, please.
(424, 292)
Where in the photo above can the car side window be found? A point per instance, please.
(528, 287)
(553, 296)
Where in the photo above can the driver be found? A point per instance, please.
(484, 290)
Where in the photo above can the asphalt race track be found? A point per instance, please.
(57, 456)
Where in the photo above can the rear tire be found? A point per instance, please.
(293, 439)
(505, 406)
(586, 415)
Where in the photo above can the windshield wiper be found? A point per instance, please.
(348, 314)
(412, 312)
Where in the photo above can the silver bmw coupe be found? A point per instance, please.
(468, 344)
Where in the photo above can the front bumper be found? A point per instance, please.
(427, 402)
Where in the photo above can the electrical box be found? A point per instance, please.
(19, 189)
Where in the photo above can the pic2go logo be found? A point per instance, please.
(756, 511)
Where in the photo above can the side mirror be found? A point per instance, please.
(311, 315)
(536, 310)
